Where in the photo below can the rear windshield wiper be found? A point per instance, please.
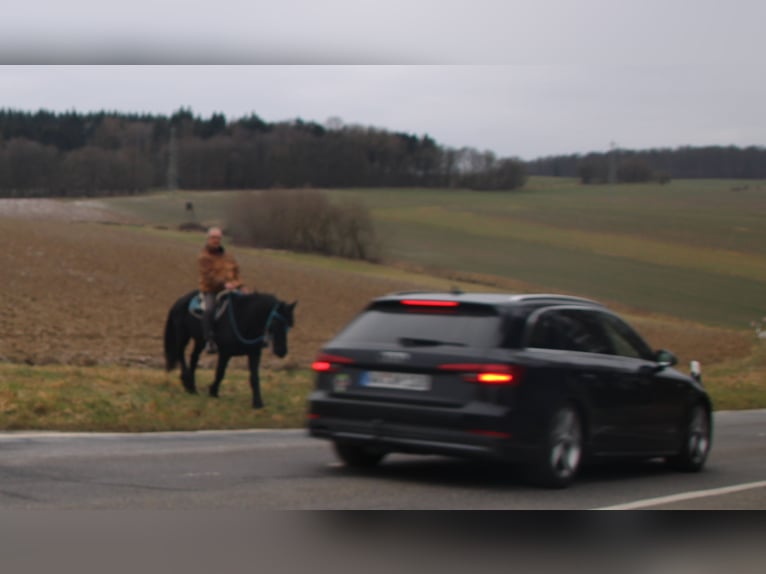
(418, 342)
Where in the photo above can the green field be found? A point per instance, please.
(693, 249)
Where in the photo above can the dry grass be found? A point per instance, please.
(131, 399)
(693, 341)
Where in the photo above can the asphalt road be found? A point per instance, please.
(285, 470)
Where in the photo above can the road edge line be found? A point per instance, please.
(647, 502)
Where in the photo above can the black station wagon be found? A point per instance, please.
(547, 381)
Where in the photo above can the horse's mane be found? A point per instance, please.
(260, 300)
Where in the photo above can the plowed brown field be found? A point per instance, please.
(76, 290)
(80, 285)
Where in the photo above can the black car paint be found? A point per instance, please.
(630, 406)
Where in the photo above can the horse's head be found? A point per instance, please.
(282, 318)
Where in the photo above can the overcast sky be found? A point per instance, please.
(520, 78)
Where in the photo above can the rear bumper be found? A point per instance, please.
(477, 430)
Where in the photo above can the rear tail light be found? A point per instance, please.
(486, 374)
(428, 303)
(325, 363)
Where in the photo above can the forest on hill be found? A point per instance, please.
(47, 154)
(708, 162)
(72, 154)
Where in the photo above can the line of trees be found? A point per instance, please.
(72, 154)
(711, 162)
(108, 153)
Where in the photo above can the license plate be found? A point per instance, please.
(403, 381)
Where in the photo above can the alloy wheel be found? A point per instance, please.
(698, 439)
(566, 443)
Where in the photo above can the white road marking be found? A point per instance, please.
(685, 496)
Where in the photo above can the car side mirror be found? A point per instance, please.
(665, 358)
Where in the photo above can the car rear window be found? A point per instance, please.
(469, 326)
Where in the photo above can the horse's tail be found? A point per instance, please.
(176, 331)
(171, 342)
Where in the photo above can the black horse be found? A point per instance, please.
(247, 325)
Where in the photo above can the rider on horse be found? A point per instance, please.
(219, 271)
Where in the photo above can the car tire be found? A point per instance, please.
(358, 456)
(696, 441)
(561, 452)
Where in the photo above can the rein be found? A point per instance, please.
(263, 338)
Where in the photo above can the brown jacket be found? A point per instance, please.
(216, 268)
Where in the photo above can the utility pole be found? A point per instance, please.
(172, 160)
(612, 163)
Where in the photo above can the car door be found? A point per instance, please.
(659, 393)
(573, 340)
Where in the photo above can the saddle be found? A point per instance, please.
(197, 304)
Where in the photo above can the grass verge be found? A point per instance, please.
(118, 399)
(739, 384)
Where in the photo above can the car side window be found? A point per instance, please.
(569, 330)
(542, 335)
(625, 340)
(586, 333)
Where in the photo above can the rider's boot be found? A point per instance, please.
(208, 324)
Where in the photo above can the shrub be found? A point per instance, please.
(304, 220)
(505, 174)
(634, 170)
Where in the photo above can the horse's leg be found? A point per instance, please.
(220, 371)
(190, 383)
(187, 370)
(254, 361)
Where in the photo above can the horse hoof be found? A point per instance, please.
(189, 386)
(257, 406)
(213, 392)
